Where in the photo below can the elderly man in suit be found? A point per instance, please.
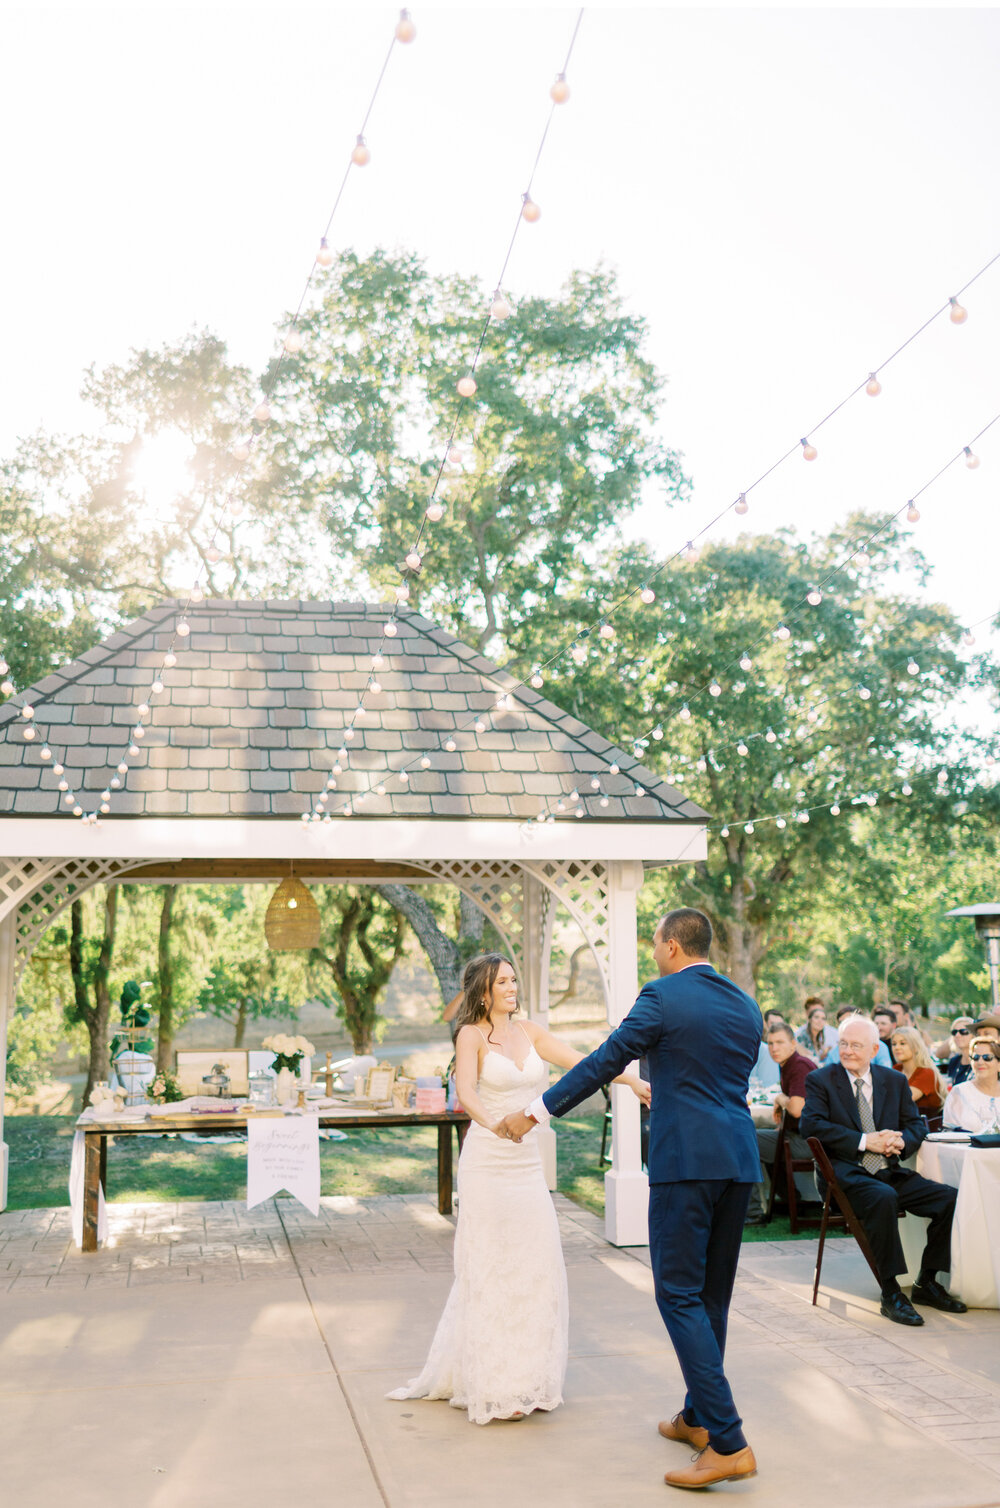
(701, 1035)
(845, 1105)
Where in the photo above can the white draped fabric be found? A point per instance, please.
(975, 1234)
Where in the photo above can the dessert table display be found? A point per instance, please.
(208, 1115)
(948, 1157)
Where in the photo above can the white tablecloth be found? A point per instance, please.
(975, 1234)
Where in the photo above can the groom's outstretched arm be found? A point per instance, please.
(634, 1038)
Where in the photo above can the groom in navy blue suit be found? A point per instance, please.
(701, 1035)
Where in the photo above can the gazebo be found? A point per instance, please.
(450, 768)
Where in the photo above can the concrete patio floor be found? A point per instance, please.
(210, 1354)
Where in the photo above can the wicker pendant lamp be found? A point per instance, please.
(292, 920)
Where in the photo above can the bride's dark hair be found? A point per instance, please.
(478, 980)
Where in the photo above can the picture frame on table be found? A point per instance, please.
(378, 1087)
(192, 1064)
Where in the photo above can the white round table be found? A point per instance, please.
(975, 1234)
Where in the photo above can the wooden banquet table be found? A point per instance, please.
(975, 1233)
(96, 1133)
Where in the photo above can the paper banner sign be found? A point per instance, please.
(283, 1154)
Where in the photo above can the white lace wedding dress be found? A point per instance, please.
(500, 1345)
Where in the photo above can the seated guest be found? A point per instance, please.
(912, 1058)
(988, 1026)
(958, 1068)
(905, 1017)
(883, 1057)
(975, 1105)
(816, 1038)
(866, 1119)
(765, 1070)
(885, 1019)
(794, 1068)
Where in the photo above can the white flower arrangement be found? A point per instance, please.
(288, 1051)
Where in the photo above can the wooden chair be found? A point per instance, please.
(847, 1217)
(604, 1160)
(788, 1165)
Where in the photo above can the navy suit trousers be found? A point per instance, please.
(695, 1230)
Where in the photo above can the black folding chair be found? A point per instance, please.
(787, 1165)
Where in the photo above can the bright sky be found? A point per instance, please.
(787, 194)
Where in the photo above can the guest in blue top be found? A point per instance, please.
(958, 1068)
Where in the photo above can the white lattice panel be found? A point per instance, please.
(41, 889)
(497, 889)
(582, 887)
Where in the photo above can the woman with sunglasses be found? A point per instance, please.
(975, 1105)
(958, 1068)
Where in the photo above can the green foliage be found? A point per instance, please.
(244, 980)
(363, 939)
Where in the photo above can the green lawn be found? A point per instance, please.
(390, 1161)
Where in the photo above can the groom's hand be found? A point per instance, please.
(515, 1127)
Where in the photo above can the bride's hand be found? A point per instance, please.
(500, 1130)
(641, 1088)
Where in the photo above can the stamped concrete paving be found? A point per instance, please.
(210, 1352)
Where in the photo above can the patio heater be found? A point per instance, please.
(987, 919)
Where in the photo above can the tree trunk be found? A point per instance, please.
(446, 956)
(96, 1017)
(241, 1023)
(165, 965)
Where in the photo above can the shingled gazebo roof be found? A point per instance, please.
(251, 717)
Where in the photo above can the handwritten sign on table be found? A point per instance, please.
(283, 1154)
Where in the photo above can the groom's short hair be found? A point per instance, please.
(690, 929)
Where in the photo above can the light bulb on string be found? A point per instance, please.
(560, 806)
(657, 733)
(530, 211)
(213, 554)
(45, 753)
(647, 595)
(781, 823)
(500, 308)
(971, 460)
(115, 783)
(156, 687)
(968, 638)
(413, 560)
(293, 342)
(606, 631)
(809, 451)
(906, 789)
(604, 801)
(183, 629)
(27, 711)
(782, 632)
(480, 725)
(360, 154)
(723, 832)
(390, 630)
(578, 654)
(745, 662)
(123, 768)
(742, 750)
(467, 386)
(803, 817)
(958, 315)
(537, 679)
(455, 456)
(912, 668)
(559, 93)
(715, 689)
(235, 506)
(324, 256)
(29, 733)
(595, 784)
(58, 769)
(741, 505)
(685, 713)
(451, 745)
(348, 734)
(613, 769)
(241, 451)
(835, 810)
(196, 594)
(405, 29)
(873, 386)
(169, 659)
(748, 828)
(435, 512)
(691, 551)
(404, 776)
(913, 514)
(105, 794)
(578, 812)
(814, 596)
(402, 592)
(702, 766)
(133, 749)
(770, 736)
(864, 693)
(262, 413)
(105, 808)
(425, 763)
(78, 811)
(7, 687)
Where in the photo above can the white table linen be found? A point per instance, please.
(975, 1233)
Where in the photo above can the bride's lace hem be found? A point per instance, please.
(483, 1412)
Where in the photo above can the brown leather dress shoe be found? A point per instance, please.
(710, 1467)
(677, 1429)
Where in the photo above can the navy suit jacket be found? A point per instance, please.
(701, 1034)
(831, 1112)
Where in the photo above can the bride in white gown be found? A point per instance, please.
(499, 1350)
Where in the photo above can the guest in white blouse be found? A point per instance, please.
(975, 1105)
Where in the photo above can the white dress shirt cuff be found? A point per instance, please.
(863, 1143)
(538, 1110)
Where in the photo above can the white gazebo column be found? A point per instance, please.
(536, 945)
(8, 946)
(626, 1187)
